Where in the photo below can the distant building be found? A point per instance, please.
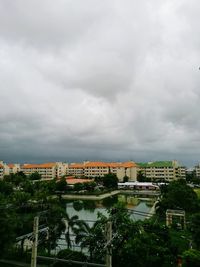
(197, 170)
(14, 168)
(138, 186)
(162, 170)
(76, 169)
(46, 170)
(6, 169)
(93, 169)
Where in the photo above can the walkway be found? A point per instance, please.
(102, 196)
(91, 197)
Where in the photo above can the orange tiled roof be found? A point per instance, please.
(41, 166)
(1, 166)
(96, 164)
(11, 165)
(128, 164)
(76, 165)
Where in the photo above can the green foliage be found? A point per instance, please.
(20, 198)
(145, 249)
(35, 176)
(89, 186)
(71, 225)
(98, 179)
(141, 177)
(70, 255)
(7, 226)
(195, 229)
(78, 187)
(16, 179)
(5, 188)
(61, 185)
(178, 195)
(78, 205)
(125, 179)
(53, 218)
(110, 180)
(191, 258)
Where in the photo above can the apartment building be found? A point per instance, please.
(197, 170)
(162, 170)
(46, 170)
(14, 168)
(4, 169)
(93, 169)
(76, 169)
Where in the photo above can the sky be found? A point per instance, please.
(99, 80)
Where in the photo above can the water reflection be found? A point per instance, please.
(89, 209)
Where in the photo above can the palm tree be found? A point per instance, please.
(83, 235)
(91, 237)
(71, 226)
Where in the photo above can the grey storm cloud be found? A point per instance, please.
(106, 80)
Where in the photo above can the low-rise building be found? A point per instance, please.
(4, 169)
(46, 170)
(93, 169)
(14, 168)
(76, 169)
(197, 170)
(162, 170)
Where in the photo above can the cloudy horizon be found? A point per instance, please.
(99, 80)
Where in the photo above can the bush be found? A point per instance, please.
(70, 255)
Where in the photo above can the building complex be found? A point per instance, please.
(93, 169)
(162, 170)
(153, 171)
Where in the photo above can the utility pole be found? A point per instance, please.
(108, 247)
(35, 242)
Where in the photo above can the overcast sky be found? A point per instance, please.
(99, 80)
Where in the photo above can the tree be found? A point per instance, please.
(90, 186)
(78, 186)
(20, 198)
(141, 177)
(84, 237)
(6, 188)
(125, 179)
(110, 180)
(35, 176)
(71, 226)
(191, 258)
(16, 179)
(177, 195)
(195, 229)
(53, 218)
(70, 255)
(7, 226)
(61, 185)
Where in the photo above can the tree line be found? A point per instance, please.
(141, 243)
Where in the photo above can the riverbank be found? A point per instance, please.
(113, 193)
(91, 197)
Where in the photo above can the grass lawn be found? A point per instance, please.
(197, 190)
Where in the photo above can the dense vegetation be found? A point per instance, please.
(143, 243)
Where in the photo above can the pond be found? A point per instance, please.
(87, 210)
(139, 206)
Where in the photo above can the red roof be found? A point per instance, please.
(73, 181)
